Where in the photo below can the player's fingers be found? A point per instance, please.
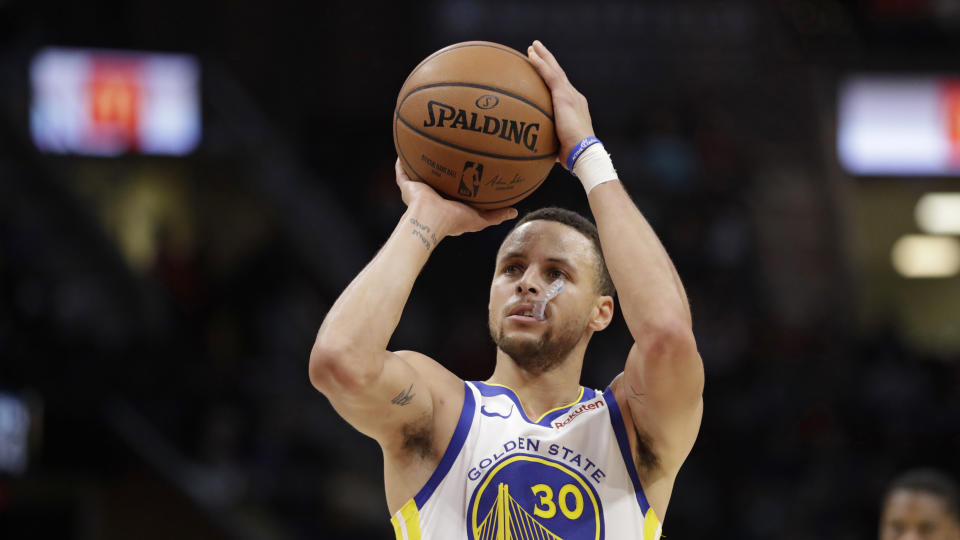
(498, 216)
(549, 76)
(401, 174)
(548, 58)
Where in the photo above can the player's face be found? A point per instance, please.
(917, 515)
(530, 259)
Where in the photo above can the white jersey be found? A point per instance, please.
(566, 475)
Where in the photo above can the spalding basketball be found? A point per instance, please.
(475, 121)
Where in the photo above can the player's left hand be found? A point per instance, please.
(570, 110)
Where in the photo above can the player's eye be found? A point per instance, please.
(511, 268)
(557, 274)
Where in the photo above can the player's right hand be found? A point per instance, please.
(570, 108)
(446, 217)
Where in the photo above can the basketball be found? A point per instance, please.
(475, 121)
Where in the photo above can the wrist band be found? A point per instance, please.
(594, 167)
(578, 149)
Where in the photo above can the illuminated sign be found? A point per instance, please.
(107, 103)
(14, 432)
(899, 125)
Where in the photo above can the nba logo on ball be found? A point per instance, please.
(480, 109)
(470, 179)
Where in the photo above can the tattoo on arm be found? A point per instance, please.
(404, 397)
(423, 232)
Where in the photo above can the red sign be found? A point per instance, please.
(951, 106)
(115, 100)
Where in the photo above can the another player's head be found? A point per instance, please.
(543, 246)
(922, 504)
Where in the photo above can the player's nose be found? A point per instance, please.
(528, 283)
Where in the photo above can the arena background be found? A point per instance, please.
(157, 312)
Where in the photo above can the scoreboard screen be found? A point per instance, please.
(899, 126)
(107, 103)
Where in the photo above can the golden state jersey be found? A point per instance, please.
(566, 475)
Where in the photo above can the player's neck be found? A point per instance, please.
(540, 392)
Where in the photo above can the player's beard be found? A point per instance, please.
(544, 353)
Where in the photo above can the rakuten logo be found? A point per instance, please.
(578, 411)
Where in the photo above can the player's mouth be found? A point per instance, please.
(524, 313)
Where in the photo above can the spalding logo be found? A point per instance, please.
(441, 115)
(487, 101)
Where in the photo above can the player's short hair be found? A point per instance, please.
(603, 283)
(930, 481)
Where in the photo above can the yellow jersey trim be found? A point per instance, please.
(407, 520)
(651, 525)
(396, 527)
(411, 518)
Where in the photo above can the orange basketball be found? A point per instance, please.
(475, 121)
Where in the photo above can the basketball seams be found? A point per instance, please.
(414, 139)
(478, 87)
(471, 150)
(487, 44)
(396, 142)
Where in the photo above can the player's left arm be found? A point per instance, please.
(663, 376)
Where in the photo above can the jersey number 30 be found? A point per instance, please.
(546, 508)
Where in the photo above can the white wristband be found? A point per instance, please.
(594, 167)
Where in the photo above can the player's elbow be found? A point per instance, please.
(671, 357)
(338, 369)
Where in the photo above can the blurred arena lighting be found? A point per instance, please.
(939, 213)
(899, 125)
(14, 434)
(922, 256)
(107, 102)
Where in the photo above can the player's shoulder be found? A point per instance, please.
(616, 388)
(426, 366)
(440, 380)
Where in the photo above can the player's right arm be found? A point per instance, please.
(377, 391)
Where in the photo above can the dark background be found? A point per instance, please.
(169, 391)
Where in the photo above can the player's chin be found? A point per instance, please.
(520, 338)
(519, 345)
(534, 329)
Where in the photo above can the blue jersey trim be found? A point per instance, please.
(453, 449)
(620, 429)
(490, 390)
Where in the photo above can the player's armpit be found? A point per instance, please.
(662, 384)
(395, 404)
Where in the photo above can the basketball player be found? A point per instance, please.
(529, 453)
(922, 504)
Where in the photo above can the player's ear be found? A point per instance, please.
(602, 313)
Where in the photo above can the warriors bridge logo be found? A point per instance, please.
(533, 497)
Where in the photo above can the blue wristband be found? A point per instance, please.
(578, 149)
